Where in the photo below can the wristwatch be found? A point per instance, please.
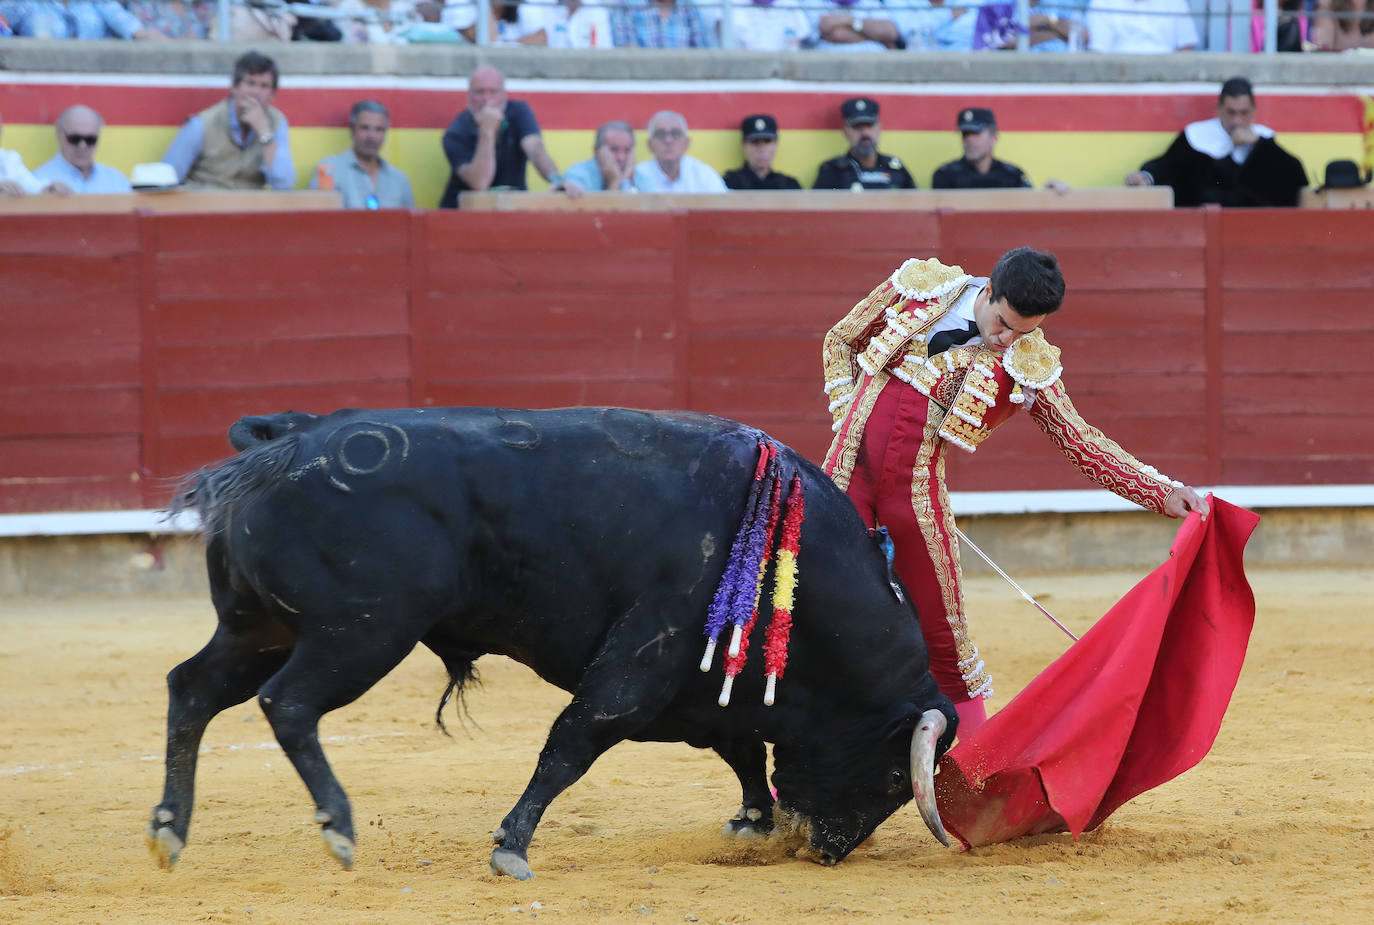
(857, 25)
(266, 138)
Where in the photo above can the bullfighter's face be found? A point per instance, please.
(999, 323)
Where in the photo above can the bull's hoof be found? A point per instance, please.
(339, 845)
(164, 844)
(505, 861)
(749, 824)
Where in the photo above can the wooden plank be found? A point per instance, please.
(1283, 310)
(547, 359)
(572, 312)
(297, 362)
(68, 364)
(854, 272)
(85, 493)
(46, 457)
(1278, 354)
(230, 321)
(754, 357)
(350, 231)
(178, 201)
(448, 233)
(1097, 229)
(812, 313)
(85, 236)
(1091, 266)
(1298, 267)
(52, 411)
(911, 201)
(1297, 436)
(277, 275)
(60, 318)
(1263, 469)
(520, 273)
(652, 394)
(1310, 392)
(1280, 229)
(813, 233)
(31, 278)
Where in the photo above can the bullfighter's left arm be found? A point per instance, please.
(1096, 455)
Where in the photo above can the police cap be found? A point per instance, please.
(760, 125)
(976, 120)
(859, 110)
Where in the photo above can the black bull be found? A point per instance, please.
(585, 543)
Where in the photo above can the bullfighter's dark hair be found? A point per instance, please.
(255, 62)
(1236, 86)
(1030, 281)
(213, 491)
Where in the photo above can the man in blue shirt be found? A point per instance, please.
(241, 142)
(74, 19)
(360, 174)
(612, 164)
(489, 143)
(78, 132)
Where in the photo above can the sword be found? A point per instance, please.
(1022, 591)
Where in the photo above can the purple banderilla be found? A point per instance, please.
(738, 591)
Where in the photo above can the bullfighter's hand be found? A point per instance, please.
(1184, 500)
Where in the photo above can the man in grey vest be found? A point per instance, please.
(240, 142)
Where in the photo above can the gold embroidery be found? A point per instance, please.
(926, 279)
(844, 449)
(1033, 361)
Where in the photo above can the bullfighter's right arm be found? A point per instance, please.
(847, 340)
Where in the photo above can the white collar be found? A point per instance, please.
(1209, 138)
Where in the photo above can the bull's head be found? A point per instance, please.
(832, 795)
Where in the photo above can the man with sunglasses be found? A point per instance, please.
(365, 179)
(78, 132)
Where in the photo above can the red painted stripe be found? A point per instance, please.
(710, 109)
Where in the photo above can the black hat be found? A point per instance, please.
(760, 125)
(1343, 175)
(975, 120)
(859, 109)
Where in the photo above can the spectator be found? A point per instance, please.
(1141, 27)
(74, 166)
(760, 140)
(1231, 159)
(510, 22)
(935, 26)
(365, 179)
(612, 164)
(854, 25)
(672, 170)
(489, 143)
(762, 25)
(978, 169)
(661, 24)
(74, 19)
(863, 166)
(1354, 28)
(15, 178)
(241, 142)
(176, 19)
(568, 24)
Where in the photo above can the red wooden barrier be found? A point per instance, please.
(128, 344)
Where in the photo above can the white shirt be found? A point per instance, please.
(1214, 141)
(959, 318)
(12, 169)
(588, 26)
(1136, 26)
(103, 178)
(693, 176)
(780, 27)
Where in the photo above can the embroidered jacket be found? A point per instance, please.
(972, 386)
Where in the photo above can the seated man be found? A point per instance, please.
(672, 170)
(1230, 160)
(978, 169)
(78, 132)
(661, 24)
(360, 174)
(612, 164)
(854, 25)
(1141, 27)
(240, 142)
(15, 178)
(760, 140)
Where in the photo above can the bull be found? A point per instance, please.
(585, 543)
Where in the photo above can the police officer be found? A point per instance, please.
(863, 167)
(978, 169)
(759, 136)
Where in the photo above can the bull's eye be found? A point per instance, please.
(896, 781)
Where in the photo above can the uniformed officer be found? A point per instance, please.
(759, 136)
(978, 169)
(863, 166)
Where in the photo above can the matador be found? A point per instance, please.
(934, 358)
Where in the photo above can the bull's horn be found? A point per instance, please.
(923, 741)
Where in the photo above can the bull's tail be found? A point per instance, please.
(211, 492)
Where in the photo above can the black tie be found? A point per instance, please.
(952, 338)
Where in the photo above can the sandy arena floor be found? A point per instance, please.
(1276, 825)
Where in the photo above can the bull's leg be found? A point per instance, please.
(631, 679)
(325, 673)
(748, 759)
(223, 674)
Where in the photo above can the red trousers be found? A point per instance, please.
(899, 483)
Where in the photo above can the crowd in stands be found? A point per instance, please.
(1119, 26)
(243, 143)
